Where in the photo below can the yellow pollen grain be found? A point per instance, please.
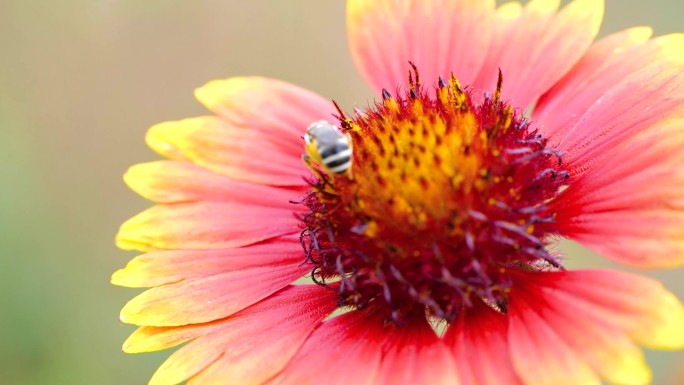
(371, 230)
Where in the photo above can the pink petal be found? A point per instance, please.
(158, 268)
(212, 297)
(231, 150)
(344, 350)
(252, 345)
(642, 100)
(623, 152)
(275, 110)
(638, 306)
(646, 240)
(536, 46)
(479, 340)
(546, 304)
(415, 355)
(439, 36)
(505, 25)
(605, 64)
(628, 204)
(204, 225)
(540, 355)
(170, 181)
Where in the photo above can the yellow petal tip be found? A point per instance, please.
(160, 139)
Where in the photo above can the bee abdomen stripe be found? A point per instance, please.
(346, 154)
(340, 168)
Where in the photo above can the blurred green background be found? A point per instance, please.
(80, 81)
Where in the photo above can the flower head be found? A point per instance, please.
(467, 182)
(439, 204)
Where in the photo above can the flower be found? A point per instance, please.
(436, 207)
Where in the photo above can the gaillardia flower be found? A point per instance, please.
(429, 219)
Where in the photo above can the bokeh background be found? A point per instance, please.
(80, 81)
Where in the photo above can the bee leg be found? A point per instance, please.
(327, 187)
(313, 167)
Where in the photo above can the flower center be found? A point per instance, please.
(425, 201)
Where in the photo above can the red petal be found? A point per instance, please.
(344, 350)
(415, 355)
(479, 340)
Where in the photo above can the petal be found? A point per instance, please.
(204, 225)
(170, 181)
(252, 345)
(640, 101)
(604, 103)
(479, 340)
(540, 356)
(505, 25)
(212, 297)
(276, 110)
(627, 139)
(536, 46)
(344, 350)
(154, 338)
(606, 63)
(607, 349)
(628, 205)
(230, 150)
(574, 320)
(644, 240)
(415, 355)
(158, 268)
(640, 306)
(439, 36)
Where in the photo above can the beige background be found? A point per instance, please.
(80, 81)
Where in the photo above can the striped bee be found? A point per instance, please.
(329, 147)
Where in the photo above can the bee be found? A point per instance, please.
(329, 147)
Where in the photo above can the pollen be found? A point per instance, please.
(446, 190)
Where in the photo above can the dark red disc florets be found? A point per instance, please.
(444, 196)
